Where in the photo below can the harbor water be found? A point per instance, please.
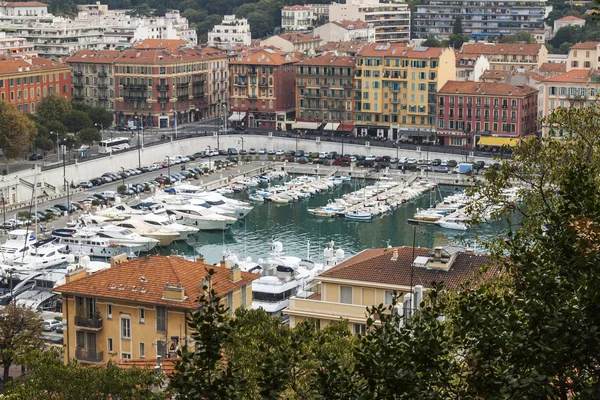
(292, 225)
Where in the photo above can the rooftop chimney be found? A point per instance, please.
(175, 293)
(235, 274)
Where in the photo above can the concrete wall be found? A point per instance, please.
(94, 168)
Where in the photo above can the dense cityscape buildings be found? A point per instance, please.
(232, 32)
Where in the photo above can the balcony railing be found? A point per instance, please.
(163, 99)
(82, 354)
(183, 84)
(263, 84)
(250, 72)
(135, 86)
(134, 97)
(91, 323)
(102, 74)
(78, 73)
(199, 82)
(162, 87)
(78, 84)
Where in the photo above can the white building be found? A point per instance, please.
(231, 33)
(345, 31)
(568, 21)
(16, 47)
(470, 67)
(23, 10)
(297, 18)
(390, 20)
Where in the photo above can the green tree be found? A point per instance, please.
(53, 107)
(17, 132)
(76, 121)
(50, 378)
(101, 116)
(89, 136)
(457, 28)
(431, 41)
(20, 334)
(456, 41)
(518, 37)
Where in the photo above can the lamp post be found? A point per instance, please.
(169, 166)
(242, 140)
(101, 129)
(57, 149)
(139, 146)
(123, 175)
(209, 158)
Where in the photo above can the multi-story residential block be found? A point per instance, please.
(231, 32)
(485, 113)
(297, 18)
(480, 20)
(391, 20)
(20, 11)
(584, 56)
(508, 57)
(395, 87)
(139, 309)
(552, 69)
(157, 85)
(576, 88)
(470, 68)
(569, 20)
(25, 83)
(374, 276)
(218, 82)
(94, 77)
(12, 46)
(293, 42)
(345, 31)
(263, 93)
(324, 93)
(320, 13)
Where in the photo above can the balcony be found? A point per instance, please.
(252, 96)
(182, 85)
(82, 354)
(322, 309)
(102, 74)
(163, 99)
(102, 85)
(135, 97)
(135, 86)
(78, 84)
(196, 95)
(265, 84)
(252, 72)
(78, 96)
(199, 82)
(94, 324)
(162, 87)
(78, 73)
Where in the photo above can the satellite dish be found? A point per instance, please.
(327, 252)
(70, 258)
(278, 247)
(339, 254)
(85, 261)
(248, 259)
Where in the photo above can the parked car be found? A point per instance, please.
(441, 168)
(342, 162)
(288, 159)
(9, 224)
(52, 210)
(452, 163)
(370, 158)
(243, 152)
(232, 151)
(252, 151)
(222, 152)
(122, 128)
(270, 152)
(299, 153)
(436, 161)
(59, 328)
(85, 184)
(96, 181)
(50, 325)
(35, 157)
(262, 151)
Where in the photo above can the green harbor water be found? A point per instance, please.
(295, 227)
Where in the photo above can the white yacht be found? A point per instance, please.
(164, 236)
(161, 220)
(87, 240)
(199, 217)
(18, 241)
(236, 208)
(40, 255)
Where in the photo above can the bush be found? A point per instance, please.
(257, 157)
(360, 164)
(167, 181)
(49, 216)
(24, 214)
(121, 189)
(95, 202)
(270, 158)
(327, 163)
(206, 170)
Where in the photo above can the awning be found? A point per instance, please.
(237, 116)
(306, 125)
(331, 126)
(346, 127)
(497, 141)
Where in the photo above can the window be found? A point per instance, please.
(230, 302)
(360, 329)
(110, 345)
(142, 350)
(109, 311)
(125, 328)
(346, 294)
(244, 295)
(161, 348)
(80, 339)
(126, 356)
(142, 313)
(389, 296)
(161, 319)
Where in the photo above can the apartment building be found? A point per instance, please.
(94, 77)
(575, 88)
(470, 67)
(159, 86)
(567, 21)
(12, 46)
(231, 32)
(390, 20)
(345, 31)
(480, 19)
(293, 42)
(25, 83)
(584, 56)
(395, 89)
(297, 18)
(485, 113)
(263, 93)
(324, 93)
(508, 57)
(140, 308)
(374, 276)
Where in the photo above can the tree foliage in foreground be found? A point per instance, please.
(17, 132)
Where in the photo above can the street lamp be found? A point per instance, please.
(101, 129)
(209, 159)
(169, 166)
(123, 175)
(139, 146)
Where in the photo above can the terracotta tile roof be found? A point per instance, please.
(330, 60)
(553, 67)
(157, 271)
(23, 4)
(533, 75)
(163, 56)
(156, 44)
(342, 47)
(263, 56)
(569, 18)
(350, 25)
(167, 364)
(399, 50)
(10, 66)
(573, 76)
(296, 8)
(94, 56)
(501, 48)
(591, 11)
(493, 74)
(485, 88)
(585, 46)
(375, 265)
(299, 37)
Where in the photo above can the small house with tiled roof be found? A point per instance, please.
(584, 55)
(567, 21)
(508, 56)
(373, 276)
(345, 31)
(296, 41)
(138, 309)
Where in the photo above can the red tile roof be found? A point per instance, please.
(157, 44)
(493, 74)
(144, 279)
(573, 76)
(94, 56)
(569, 18)
(15, 66)
(263, 56)
(167, 364)
(485, 88)
(501, 48)
(164, 56)
(342, 47)
(585, 46)
(376, 265)
(299, 37)
(350, 25)
(23, 4)
(399, 50)
(330, 60)
(296, 8)
(553, 67)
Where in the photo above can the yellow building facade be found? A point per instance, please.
(139, 309)
(395, 90)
